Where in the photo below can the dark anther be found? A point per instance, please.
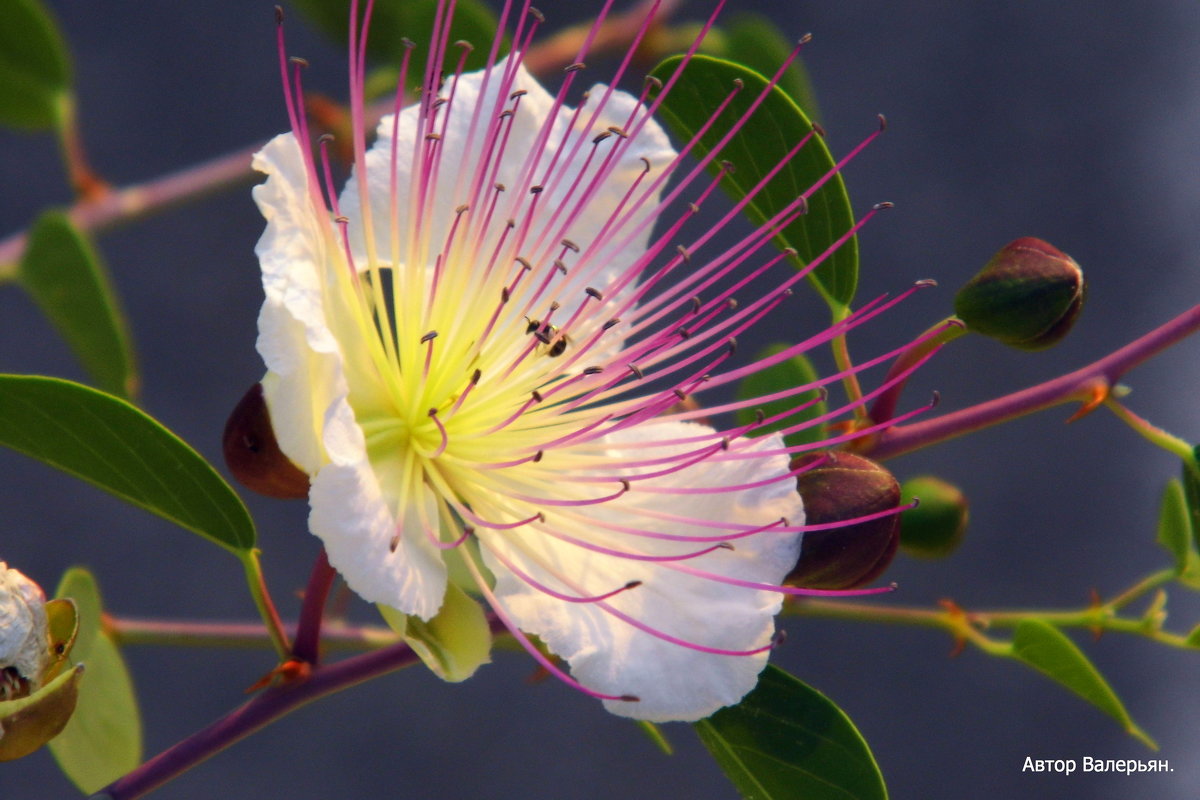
(342, 220)
(600, 137)
(633, 584)
(555, 306)
(407, 43)
(631, 698)
(759, 416)
(779, 638)
(536, 189)
(505, 114)
(429, 337)
(500, 187)
(937, 398)
(537, 396)
(541, 517)
(803, 204)
(618, 131)
(560, 266)
(578, 65)
(882, 122)
(650, 80)
(504, 295)
(464, 208)
(596, 293)
(739, 84)
(636, 370)
(725, 546)
(298, 61)
(926, 283)
(790, 252)
(433, 137)
(683, 252)
(624, 485)
(725, 443)
(510, 223)
(732, 344)
(278, 15)
(684, 333)
(732, 303)
(696, 304)
(438, 103)
(728, 166)
(476, 375)
(463, 43)
(592, 370)
(524, 262)
(537, 14)
(433, 412)
(517, 93)
(818, 129)
(610, 323)
(538, 456)
(645, 161)
(567, 243)
(695, 209)
(680, 393)
(325, 137)
(805, 39)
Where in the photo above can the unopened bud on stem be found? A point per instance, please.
(845, 488)
(936, 527)
(1027, 296)
(253, 455)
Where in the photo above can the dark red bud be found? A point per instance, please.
(253, 455)
(1027, 296)
(845, 487)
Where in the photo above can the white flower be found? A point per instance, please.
(24, 638)
(477, 353)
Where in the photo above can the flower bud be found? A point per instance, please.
(936, 527)
(34, 705)
(1027, 296)
(253, 455)
(844, 488)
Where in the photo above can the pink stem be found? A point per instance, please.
(307, 644)
(1089, 384)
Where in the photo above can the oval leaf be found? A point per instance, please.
(109, 443)
(756, 42)
(1175, 529)
(788, 374)
(761, 143)
(69, 282)
(787, 741)
(1049, 651)
(103, 740)
(393, 21)
(35, 75)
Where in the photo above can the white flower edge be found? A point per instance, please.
(673, 682)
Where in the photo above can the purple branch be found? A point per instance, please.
(1089, 383)
(259, 712)
(307, 644)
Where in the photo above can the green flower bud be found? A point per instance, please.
(1027, 296)
(253, 455)
(27, 723)
(936, 527)
(845, 488)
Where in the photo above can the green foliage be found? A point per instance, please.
(754, 41)
(103, 740)
(787, 741)
(115, 446)
(393, 21)
(35, 72)
(657, 736)
(454, 643)
(787, 374)
(1175, 533)
(759, 145)
(67, 279)
(936, 527)
(1049, 651)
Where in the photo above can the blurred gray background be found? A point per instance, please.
(1074, 121)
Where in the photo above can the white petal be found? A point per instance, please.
(606, 654)
(353, 516)
(459, 165)
(24, 639)
(315, 358)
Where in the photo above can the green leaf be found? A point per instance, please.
(109, 443)
(67, 279)
(1049, 651)
(787, 741)
(787, 374)
(1193, 638)
(657, 736)
(103, 740)
(455, 643)
(35, 73)
(393, 21)
(1175, 529)
(754, 41)
(774, 128)
(1191, 491)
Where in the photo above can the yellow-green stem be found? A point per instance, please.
(1155, 435)
(262, 601)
